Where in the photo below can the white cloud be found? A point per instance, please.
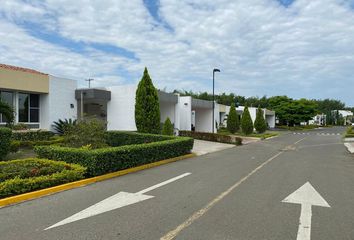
(262, 47)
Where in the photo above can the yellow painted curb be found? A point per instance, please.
(80, 183)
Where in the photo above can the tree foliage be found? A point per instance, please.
(233, 123)
(7, 112)
(246, 122)
(167, 128)
(147, 108)
(260, 124)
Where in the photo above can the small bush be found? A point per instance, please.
(51, 141)
(61, 126)
(260, 124)
(19, 126)
(120, 138)
(167, 128)
(21, 176)
(246, 122)
(32, 135)
(15, 146)
(86, 132)
(5, 142)
(110, 159)
(213, 137)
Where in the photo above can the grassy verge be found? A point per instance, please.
(265, 135)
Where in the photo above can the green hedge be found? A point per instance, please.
(21, 176)
(120, 138)
(5, 142)
(214, 137)
(105, 160)
(51, 141)
(32, 135)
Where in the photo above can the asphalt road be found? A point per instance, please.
(233, 194)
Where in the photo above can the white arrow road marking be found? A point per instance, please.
(116, 201)
(307, 197)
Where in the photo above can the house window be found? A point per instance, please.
(28, 108)
(6, 97)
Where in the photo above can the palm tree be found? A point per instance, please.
(7, 112)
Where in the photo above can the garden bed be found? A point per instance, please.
(213, 137)
(21, 176)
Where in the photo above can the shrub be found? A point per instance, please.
(120, 138)
(30, 135)
(51, 141)
(15, 146)
(246, 122)
(167, 128)
(260, 124)
(62, 125)
(213, 137)
(147, 107)
(86, 132)
(110, 159)
(20, 176)
(19, 126)
(7, 112)
(233, 123)
(5, 142)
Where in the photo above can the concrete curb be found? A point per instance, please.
(48, 191)
(350, 147)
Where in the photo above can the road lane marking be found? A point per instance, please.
(198, 214)
(116, 201)
(306, 196)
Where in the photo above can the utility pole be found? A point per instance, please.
(213, 121)
(89, 81)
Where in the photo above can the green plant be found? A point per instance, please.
(233, 123)
(86, 132)
(147, 107)
(31, 135)
(20, 176)
(62, 125)
(260, 124)
(110, 159)
(7, 112)
(213, 137)
(246, 122)
(19, 126)
(167, 128)
(5, 142)
(51, 141)
(120, 138)
(15, 146)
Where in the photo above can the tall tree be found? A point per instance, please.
(260, 124)
(233, 123)
(246, 122)
(147, 108)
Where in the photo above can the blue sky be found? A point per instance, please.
(298, 48)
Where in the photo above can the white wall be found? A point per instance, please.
(57, 104)
(185, 112)
(270, 120)
(121, 108)
(203, 117)
(167, 110)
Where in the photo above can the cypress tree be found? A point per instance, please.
(246, 122)
(167, 127)
(260, 124)
(147, 107)
(233, 123)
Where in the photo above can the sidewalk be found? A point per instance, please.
(350, 147)
(204, 147)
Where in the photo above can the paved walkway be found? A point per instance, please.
(203, 147)
(350, 147)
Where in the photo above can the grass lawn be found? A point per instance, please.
(265, 135)
(21, 154)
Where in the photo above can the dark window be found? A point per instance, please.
(34, 108)
(34, 99)
(6, 97)
(34, 115)
(23, 107)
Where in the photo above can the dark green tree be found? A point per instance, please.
(246, 122)
(233, 123)
(167, 128)
(7, 112)
(147, 108)
(260, 124)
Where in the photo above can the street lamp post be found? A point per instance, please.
(213, 120)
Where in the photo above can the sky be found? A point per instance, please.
(299, 48)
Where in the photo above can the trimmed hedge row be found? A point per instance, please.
(111, 159)
(5, 142)
(32, 135)
(214, 137)
(51, 141)
(120, 138)
(21, 176)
